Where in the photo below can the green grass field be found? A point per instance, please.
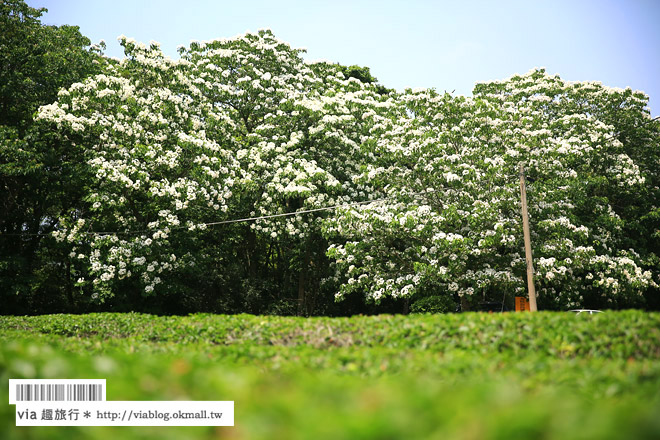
(463, 376)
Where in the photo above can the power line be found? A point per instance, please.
(239, 220)
(251, 219)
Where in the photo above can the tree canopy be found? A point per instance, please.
(452, 165)
(38, 179)
(353, 191)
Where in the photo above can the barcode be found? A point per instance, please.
(59, 392)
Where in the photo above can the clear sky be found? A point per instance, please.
(447, 45)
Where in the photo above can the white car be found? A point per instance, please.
(586, 311)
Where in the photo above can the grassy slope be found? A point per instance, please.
(481, 376)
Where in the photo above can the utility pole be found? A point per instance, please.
(528, 244)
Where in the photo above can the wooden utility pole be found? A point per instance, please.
(528, 244)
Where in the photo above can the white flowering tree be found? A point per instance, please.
(173, 151)
(453, 223)
(235, 128)
(142, 125)
(297, 134)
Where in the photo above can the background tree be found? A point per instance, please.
(39, 178)
(453, 227)
(235, 128)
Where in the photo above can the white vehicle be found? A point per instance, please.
(586, 311)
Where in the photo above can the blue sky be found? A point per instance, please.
(414, 43)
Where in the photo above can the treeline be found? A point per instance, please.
(122, 183)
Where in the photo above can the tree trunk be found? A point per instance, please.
(250, 254)
(302, 281)
(465, 306)
(69, 285)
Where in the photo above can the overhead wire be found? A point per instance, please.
(224, 222)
